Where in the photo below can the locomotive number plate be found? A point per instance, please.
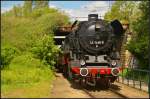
(96, 42)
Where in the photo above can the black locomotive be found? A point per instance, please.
(91, 52)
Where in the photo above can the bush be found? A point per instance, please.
(7, 54)
(24, 61)
(25, 76)
(25, 69)
(137, 75)
(45, 50)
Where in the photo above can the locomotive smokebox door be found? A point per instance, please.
(92, 17)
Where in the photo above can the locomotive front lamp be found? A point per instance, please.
(115, 72)
(82, 62)
(84, 71)
(113, 63)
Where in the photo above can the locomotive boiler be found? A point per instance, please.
(91, 52)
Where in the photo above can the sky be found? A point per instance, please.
(75, 9)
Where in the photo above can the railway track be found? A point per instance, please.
(100, 92)
(64, 88)
(114, 93)
(103, 93)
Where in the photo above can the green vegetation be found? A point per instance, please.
(8, 53)
(135, 74)
(28, 50)
(139, 45)
(25, 72)
(137, 14)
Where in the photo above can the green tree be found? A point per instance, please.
(40, 4)
(17, 11)
(137, 14)
(123, 10)
(139, 45)
(27, 9)
(23, 32)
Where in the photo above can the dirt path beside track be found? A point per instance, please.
(62, 88)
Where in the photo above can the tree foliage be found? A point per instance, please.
(27, 9)
(139, 45)
(7, 54)
(40, 4)
(27, 46)
(25, 28)
(137, 14)
(45, 50)
(123, 10)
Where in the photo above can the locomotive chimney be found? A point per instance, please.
(92, 17)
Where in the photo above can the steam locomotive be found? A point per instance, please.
(91, 52)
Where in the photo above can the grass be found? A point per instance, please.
(36, 90)
(26, 77)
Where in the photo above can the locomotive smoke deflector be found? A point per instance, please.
(74, 24)
(118, 29)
